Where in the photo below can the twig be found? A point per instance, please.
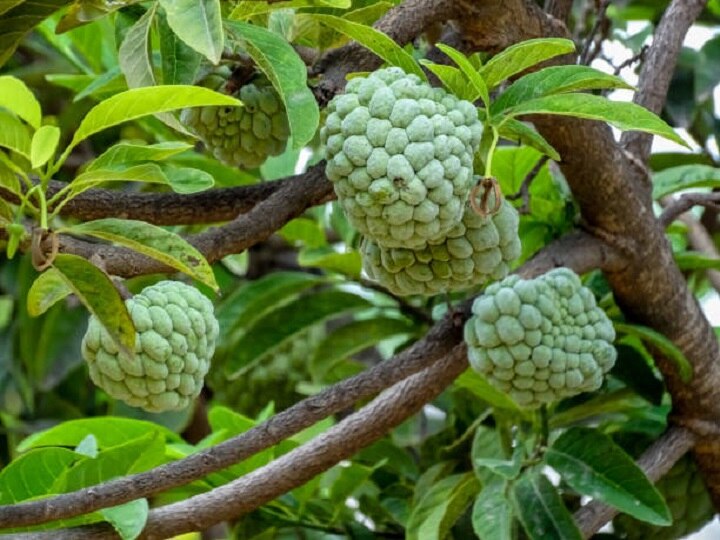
(593, 43)
(655, 462)
(679, 206)
(639, 57)
(524, 192)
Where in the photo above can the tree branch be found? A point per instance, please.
(675, 207)
(656, 461)
(578, 251)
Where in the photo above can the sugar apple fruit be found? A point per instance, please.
(688, 500)
(243, 136)
(400, 155)
(474, 251)
(175, 340)
(542, 339)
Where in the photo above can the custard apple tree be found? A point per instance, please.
(370, 269)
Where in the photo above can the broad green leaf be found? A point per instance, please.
(636, 371)
(452, 78)
(155, 242)
(592, 464)
(280, 325)
(7, 5)
(199, 24)
(110, 82)
(478, 385)
(9, 180)
(492, 513)
(139, 102)
(515, 130)
(14, 134)
(108, 430)
(476, 80)
(442, 506)
(18, 21)
(555, 80)
(123, 153)
(661, 343)
(354, 337)
(16, 97)
(134, 54)
(19, 480)
(486, 444)
(49, 287)
(43, 145)
(128, 519)
(180, 63)
(693, 260)
(88, 446)
(288, 74)
(675, 179)
(96, 291)
(255, 299)
(541, 510)
(86, 11)
(507, 468)
(246, 9)
(623, 115)
(375, 41)
(348, 263)
(187, 180)
(519, 57)
(148, 173)
(304, 231)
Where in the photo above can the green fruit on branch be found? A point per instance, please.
(540, 340)
(243, 136)
(175, 340)
(688, 500)
(476, 250)
(400, 155)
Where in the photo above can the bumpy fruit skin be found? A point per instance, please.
(540, 340)
(243, 136)
(688, 500)
(175, 340)
(274, 377)
(476, 250)
(400, 155)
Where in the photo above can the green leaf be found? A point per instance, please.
(96, 291)
(20, 480)
(14, 134)
(108, 430)
(88, 447)
(592, 464)
(139, 102)
(155, 242)
(187, 180)
(124, 153)
(375, 41)
(180, 63)
(486, 444)
(7, 5)
(199, 24)
(452, 78)
(555, 80)
(15, 23)
(288, 74)
(541, 510)
(492, 513)
(148, 173)
(623, 115)
(304, 231)
(43, 145)
(694, 260)
(353, 338)
(675, 179)
(246, 9)
(474, 78)
(128, 519)
(441, 507)
(661, 343)
(478, 385)
(519, 57)
(507, 468)
(49, 288)
(16, 97)
(515, 130)
(134, 54)
(277, 326)
(348, 263)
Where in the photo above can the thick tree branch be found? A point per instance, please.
(656, 461)
(578, 251)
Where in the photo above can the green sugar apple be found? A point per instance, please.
(540, 340)
(243, 136)
(400, 155)
(688, 500)
(474, 251)
(175, 340)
